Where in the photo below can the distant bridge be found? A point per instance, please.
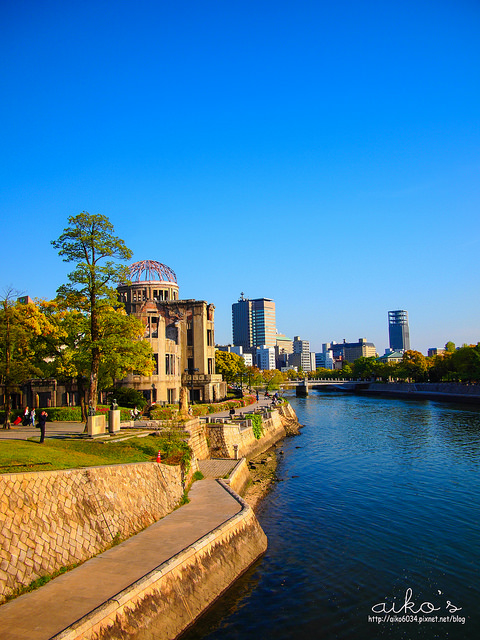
(302, 387)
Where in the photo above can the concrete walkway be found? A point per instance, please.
(63, 429)
(43, 613)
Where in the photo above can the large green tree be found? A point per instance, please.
(89, 242)
(67, 351)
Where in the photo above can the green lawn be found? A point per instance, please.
(17, 456)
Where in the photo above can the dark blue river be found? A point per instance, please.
(373, 528)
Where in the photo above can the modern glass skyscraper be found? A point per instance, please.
(398, 331)
(253, 323)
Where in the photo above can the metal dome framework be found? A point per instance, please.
(151, 271)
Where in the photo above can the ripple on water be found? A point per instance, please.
(387, 498)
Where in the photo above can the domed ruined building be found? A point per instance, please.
(181, 333)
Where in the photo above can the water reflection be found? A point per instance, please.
(386, 499)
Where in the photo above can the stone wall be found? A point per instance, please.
(52, 519)
(239, 478)
(447, 390)
(169, 599)
(198, 438)
(225, 437)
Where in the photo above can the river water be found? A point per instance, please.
(377, 507)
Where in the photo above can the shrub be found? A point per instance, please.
(127, 397)
(257, 425)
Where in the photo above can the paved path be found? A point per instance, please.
(54, 429)
(62, 429)
(43, 613)
(217, 467)
(262, 403)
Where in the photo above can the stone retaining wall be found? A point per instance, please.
(453, 391)
(239, 478)
(169, 599)
(224, 436)
(52, 519)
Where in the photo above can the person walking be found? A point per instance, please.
(32, 417)
(41, 423)
(26, 417)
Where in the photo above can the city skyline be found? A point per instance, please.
(325, 157)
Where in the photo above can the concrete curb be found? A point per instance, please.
(108, 611)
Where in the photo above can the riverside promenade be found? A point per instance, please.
(43, 614)
(73, 599)
(67, 429)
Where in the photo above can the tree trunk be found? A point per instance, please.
(8, 408)
(93, 389)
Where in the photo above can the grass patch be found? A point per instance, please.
(20, 456)
(39, 582)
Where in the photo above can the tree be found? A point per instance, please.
(127, 397)
(121, 348)
(364, 367)
(450, 347)
(414, 365)
(253, 375)
(67, 352)
(466, 363)
(90, 244)
(20, 324)
(272, 378)
(229, 365)
(347, 371)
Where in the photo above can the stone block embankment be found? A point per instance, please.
(52, 519)
(232, 439)
(171, 597)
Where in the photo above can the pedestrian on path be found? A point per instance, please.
(41, 423)
(32, 417)
(258, 397)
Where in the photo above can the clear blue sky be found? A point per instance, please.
(323, 154)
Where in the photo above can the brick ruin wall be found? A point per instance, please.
(52, 519)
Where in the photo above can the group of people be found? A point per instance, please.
(28, 419)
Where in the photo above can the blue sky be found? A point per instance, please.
(325, 155)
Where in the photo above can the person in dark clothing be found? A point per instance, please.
(41, 423)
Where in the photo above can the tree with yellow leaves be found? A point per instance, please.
(21, 325)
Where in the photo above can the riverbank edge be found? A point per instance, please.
(419, 395)
(166, 601)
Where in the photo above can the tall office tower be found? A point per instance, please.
(398, 331)
(253, 323)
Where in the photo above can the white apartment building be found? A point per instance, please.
(266, 357)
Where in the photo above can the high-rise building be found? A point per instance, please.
(398, 331)
(302, 357)
(253, 323)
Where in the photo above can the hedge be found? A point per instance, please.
(171, 411)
